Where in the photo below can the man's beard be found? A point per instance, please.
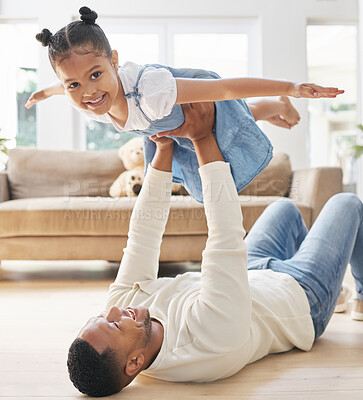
(148, 326)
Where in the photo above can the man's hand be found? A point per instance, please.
(198, 124)
(198, 127)
(312, 91)
(162, 143)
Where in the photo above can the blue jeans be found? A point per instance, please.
(317, 259)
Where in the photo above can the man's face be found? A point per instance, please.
(90, 81)
(122, 330)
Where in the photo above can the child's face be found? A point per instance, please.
(90, 81)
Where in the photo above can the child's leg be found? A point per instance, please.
(335, 239)
(279, 112)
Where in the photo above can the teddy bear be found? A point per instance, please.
(129, 182)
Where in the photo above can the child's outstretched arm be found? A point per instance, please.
(49, 91)
(202, 90)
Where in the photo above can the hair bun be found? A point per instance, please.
(87, 15)
(45, 37)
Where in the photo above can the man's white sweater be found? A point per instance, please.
(222, 318)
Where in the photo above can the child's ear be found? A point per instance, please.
(114, 60)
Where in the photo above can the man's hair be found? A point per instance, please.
(92, 373)
(77, 34)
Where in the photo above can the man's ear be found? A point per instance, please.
(114, 60)
(134, 363)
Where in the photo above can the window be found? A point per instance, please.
(212, 51)
(221, 46)
(228, 47)
(26, 85)
(332, 61)
(18, 78)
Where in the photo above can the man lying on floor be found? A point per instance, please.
(207, 325)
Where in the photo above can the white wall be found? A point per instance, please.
(360, 96)
(283, 50)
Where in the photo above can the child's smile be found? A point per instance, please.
(92, 83)
(97, 102)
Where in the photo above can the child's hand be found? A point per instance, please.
(312, 91)
(34, 98)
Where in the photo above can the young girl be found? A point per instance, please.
(147, 99)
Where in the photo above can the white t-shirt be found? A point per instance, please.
(158, 91)
(222, 318)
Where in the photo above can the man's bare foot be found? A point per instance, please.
(289, 113)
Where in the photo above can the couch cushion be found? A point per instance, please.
(253, 207)
(173, 248)
(45, 173)
(97, 216)
(274, 180)
(91, 216)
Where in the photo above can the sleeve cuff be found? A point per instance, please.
(159, 174)
(208, 169)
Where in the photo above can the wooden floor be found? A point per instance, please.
(43, 306)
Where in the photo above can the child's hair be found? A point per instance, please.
(75, 35)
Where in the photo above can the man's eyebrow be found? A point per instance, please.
(89, 71)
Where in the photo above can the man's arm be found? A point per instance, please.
(149, 216)
(221, 313)
(163, 158)
(225, 302)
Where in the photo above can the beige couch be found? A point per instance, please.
(54, 205)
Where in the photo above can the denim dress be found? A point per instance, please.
(242, 143)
